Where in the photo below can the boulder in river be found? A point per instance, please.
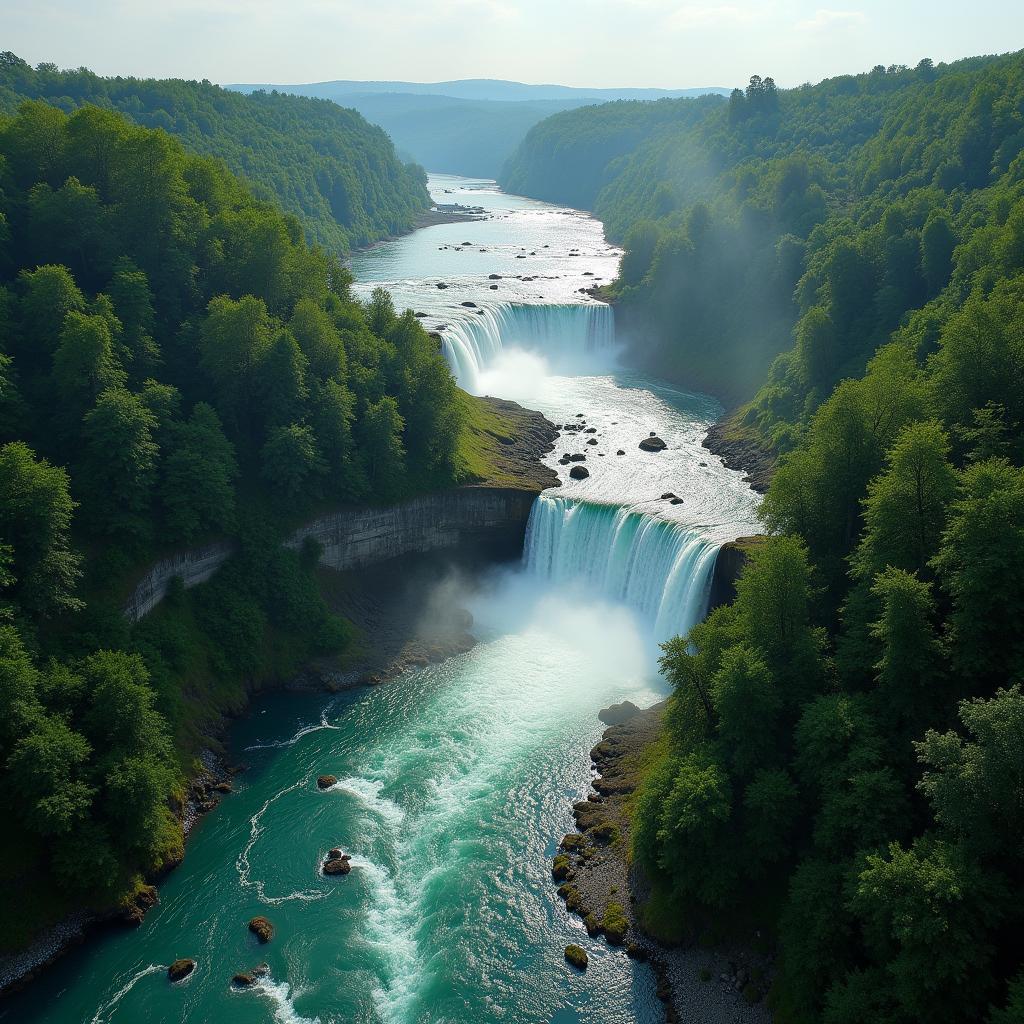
(243, 979)
(620, 452)
(494, 277)
(441, 285)
(616, 714)
(338, 866)
(577, 956)
(261, 928)
(180, 969)
(326, 781)
(578, 457)
(469, 305)
(590, 430)
(653, 444)
(494, 287)
(592, 440)
(579, 472)
(667, 495)
(676, 501)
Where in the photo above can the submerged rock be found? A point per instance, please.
(577, 956)
(261, 928)
(181, 969)
(326, 781)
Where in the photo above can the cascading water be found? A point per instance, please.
(562, 334)
(660, 569)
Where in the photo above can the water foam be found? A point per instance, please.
(306, 730)
(563, 334)
(280, 995)
(102, 1014)
(368, 791)
(659, 568)
(256, 829)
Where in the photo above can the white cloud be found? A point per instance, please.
(825, 20)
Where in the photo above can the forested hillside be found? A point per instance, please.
(721, 215)
(176, 364)
(466, 127)
(842, 766)
(321, 162)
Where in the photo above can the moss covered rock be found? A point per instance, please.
(577, 956)
(615, 924)
(561, 867)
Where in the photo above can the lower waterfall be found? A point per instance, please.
(562, 334)
(660, 569)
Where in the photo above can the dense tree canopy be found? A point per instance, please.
(847, 733)
(324, 163)
(177, 364)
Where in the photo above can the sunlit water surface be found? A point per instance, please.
(456, 782)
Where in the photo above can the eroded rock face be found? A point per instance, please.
(180, 969)
(616, 714)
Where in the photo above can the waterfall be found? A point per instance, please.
(660, 569)
(562, 334)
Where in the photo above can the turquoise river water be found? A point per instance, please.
(456, 781)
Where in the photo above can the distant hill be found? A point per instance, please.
(464, 127)
(327, 165)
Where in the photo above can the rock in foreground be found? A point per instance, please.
(653, 444)
(181, 969)
(616, 714)
(577, 956)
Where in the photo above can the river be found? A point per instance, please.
(456, 781)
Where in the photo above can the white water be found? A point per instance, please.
(658, 568)
(571, 339)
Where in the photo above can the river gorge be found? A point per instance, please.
(456, 781)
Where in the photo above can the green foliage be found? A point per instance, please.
(321, 162)
(176, 344)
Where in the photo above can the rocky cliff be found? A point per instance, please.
(728, 566)
(487, 518)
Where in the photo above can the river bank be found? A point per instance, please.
(697, 980)
(390, 601)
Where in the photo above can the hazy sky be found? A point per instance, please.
(669, 43)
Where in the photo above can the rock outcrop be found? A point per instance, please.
(180, 969)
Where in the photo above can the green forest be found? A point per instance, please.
(176, 364)
(842, 755)
(323, 163)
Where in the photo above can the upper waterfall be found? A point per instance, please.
(563, 334)
(660, 569)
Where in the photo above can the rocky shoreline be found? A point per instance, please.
(713, 984)
(741, 453)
